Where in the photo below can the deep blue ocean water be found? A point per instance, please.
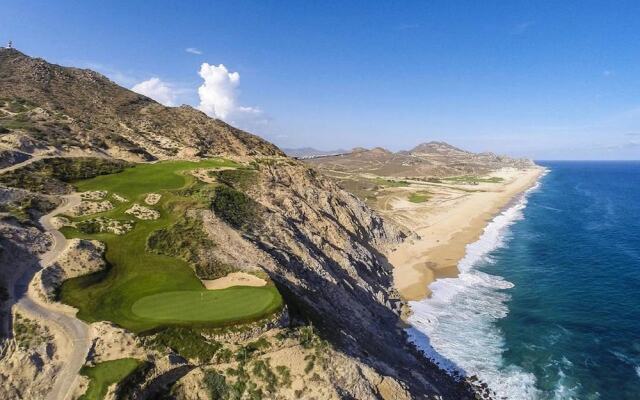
(547, 305)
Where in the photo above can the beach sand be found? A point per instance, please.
(453, 217)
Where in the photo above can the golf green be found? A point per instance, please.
(226, 305)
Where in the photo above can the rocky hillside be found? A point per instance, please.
(323, 248)
(46, 107)
(431, 159)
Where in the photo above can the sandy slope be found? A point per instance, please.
(448, 222)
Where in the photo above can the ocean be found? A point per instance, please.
(547, 303)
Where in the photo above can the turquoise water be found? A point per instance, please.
(547, 305)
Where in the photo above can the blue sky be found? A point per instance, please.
(542, 79)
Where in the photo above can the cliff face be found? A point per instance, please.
(328, 247)
(321, 246)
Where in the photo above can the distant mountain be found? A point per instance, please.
(428, 159)
(310, 152)
(437, 148)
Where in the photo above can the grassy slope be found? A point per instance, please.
(105, 374)
(136, 273)
(419, 197)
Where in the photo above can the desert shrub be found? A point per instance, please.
(285, 375)
(260, 344)
(187, 342)
(216, 384)
(235, 207)
(262, 370)
(310, 358)
(28, 333)
(307, 337)
(89, 226)
(51, 175)
(419, 197)
(241, 179)
(188, 240)
(18, 105)
(223, 356)
(18, 122)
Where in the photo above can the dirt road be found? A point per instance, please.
(64, 317)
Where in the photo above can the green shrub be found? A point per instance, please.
(19, 105)
(235, 207)
(185, 341)
(262, 370)
(241, 179)
(419, 197)
(188, 240)
(260, 344)
(28, 333)
(216, 384)
(285, 375)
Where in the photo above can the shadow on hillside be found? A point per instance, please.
(353, 318)
(12, 258)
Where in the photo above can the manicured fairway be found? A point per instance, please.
(135, 273)
(145, 178)
(224, 305)
(104, 374)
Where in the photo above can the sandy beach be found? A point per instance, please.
(453, 217)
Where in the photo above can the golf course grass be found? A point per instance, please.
(214, 305)
(105, 374)
(142, 290)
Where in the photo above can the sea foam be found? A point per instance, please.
(456, 326)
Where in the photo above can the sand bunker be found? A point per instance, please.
(142, 212)
(119, 198)
(91, 207)
(152, 198)
(234, 279)
(93, 195)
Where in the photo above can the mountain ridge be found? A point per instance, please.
(106, 118)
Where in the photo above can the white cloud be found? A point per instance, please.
(193, 50)
(219, 93)
(158, 90)
(521, 28)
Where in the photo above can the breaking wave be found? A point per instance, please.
(456, 326)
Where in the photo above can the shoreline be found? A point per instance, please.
(447, 229)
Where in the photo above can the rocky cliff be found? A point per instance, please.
(71, 109)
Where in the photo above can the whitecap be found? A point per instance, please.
(456, 326)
